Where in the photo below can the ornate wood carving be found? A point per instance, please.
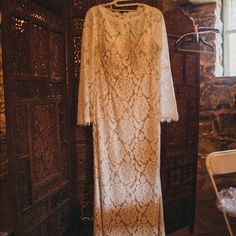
(64, 218)
(78, 4)
(46, 188)
(27, 90)
(38, 12)
(64, 162)
(35, 232)
(22, 5)
(32, 217)
(40, 50)
(54, 90)
(48, 228)
(179, 140)
(23, 173)
(62, 120)
(77, 45)
(36, 82)
(59, 198)
(177, 61)
(191, 73)
(83, 133)
(44, 142)
(21, 131)
(19, 38)
(56, 56)
(78, 25)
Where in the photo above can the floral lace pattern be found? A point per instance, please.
(126, 90)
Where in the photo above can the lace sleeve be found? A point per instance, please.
(84, 115)
(168, 107)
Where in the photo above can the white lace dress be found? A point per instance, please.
(125, 90)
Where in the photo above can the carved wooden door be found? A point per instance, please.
(36, 103)
(179, 146)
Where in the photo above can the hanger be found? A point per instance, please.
(120, 5)
(196, 36)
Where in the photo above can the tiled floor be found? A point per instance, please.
(209, 221)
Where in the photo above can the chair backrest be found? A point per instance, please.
(223, 162)
(219, 163)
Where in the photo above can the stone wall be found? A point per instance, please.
(218, 115)
(218, 94)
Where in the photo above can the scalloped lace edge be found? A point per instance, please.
(168, 120)
(89, 123)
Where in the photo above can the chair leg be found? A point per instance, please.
(227, 223)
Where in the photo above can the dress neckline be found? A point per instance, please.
(107, 12)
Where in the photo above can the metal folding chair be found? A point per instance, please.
(220, 163)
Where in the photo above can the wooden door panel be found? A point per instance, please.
(40, 48)
(19, 58)
(57, 56)
(191, 73)
(180, 139)
(24, 183)
(177, 60)
(37, 97)
(45, 175)
(177, 134)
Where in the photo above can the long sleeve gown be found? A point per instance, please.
(125, 91)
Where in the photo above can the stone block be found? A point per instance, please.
(210, 69)
(208, 144)
(205, 128)
(227, 124)
(229, 81)
(206, 123)
(215, 97)
(207, 116)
